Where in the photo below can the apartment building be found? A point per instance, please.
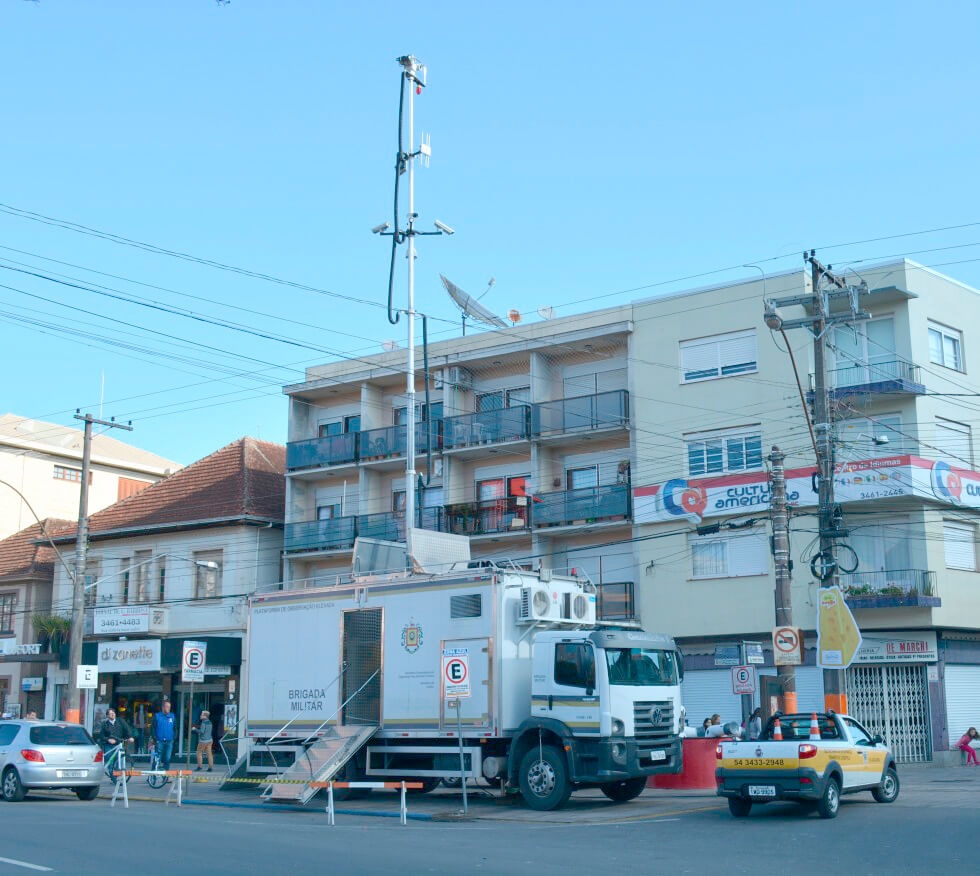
(42, 462)
(631, 444)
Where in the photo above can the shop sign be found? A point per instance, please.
(217, 669)
(727, 655)
(10, 648)
(914, 647)
(122, 620)
(141, 655)
(32, 683)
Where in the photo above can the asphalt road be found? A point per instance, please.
(932, 829)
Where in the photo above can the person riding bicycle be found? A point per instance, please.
(114, 730)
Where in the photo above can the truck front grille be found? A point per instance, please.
(654, 723)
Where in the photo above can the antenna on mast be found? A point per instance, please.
(413, 78)
(470, 306)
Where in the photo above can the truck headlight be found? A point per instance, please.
(619, 752)
(618, 727)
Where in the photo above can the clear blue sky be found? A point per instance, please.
(579, 150)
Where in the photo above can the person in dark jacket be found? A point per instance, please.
(114, 730)
(205, 730)
(163, 733)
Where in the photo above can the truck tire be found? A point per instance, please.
(544, 778)
(887, 791)
(628, 789)
(739, 806)
(829, 803)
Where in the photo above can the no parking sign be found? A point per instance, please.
(456, 672)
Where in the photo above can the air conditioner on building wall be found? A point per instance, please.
(457, 376)
(160, 620)
(538, 604)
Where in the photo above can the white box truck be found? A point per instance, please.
(356, 681)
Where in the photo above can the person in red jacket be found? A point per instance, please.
(964, 745)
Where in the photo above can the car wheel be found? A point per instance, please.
(829, 803)
(887, 791)
(739, 806)
(12, 788)
(86, 793)
(544, 778)
(621, 792)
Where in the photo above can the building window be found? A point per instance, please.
(953, 440)
(582, 478)
(520, 395)
(945, 346)
(124, 574)
(718, 356)
(141, 575)
(162, 580)
(489, 401)
(93, 571)
(64, 473)
(398, 502)
(729, 556)
(327, 430)
(328, 512)
(723, 451)
(8, 605)
(864, 437)
(960, 546)
(207, 574)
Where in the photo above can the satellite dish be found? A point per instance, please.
(470, 306)
(514, 316)
(546, 312)
(389, 346)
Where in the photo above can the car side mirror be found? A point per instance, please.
(877, 740)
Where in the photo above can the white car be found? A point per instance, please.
(43, 754)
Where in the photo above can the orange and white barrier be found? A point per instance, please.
(777, 731)
(402, 786)
(814, 727)
(122, 786)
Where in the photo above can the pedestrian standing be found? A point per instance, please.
(163, 733)
(754, 730)
(967, 748)
(205, 731)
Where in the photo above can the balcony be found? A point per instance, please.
(586, 413)
(590, 505)
(321, 452)
(336, 534)
(381, 445)
(388, 526)
(614, 602)
(893, 377)
(487, 427)
(489, 517)
(898, 588)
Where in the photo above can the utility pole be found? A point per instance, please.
(73, 714)
(819, 323)
(780, 551)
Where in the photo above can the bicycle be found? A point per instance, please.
(154, 779)
(115, 759)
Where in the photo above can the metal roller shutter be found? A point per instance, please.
(962, 685)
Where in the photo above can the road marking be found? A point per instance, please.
(25, 865)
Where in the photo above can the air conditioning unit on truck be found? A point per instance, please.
(356, 678)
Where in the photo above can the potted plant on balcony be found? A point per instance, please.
(52, 631)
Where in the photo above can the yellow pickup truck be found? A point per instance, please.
(809, 758)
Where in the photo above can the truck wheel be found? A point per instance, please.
(620, 792)
(829, 802)
(887, 791)
(544, 778)
(739, 806)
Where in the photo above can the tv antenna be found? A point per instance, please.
(546, 312)
(389, 346)
(470, 306)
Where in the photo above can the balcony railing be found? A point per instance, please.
(320, 535)
(584, 413)
(387, 526)
(892, 376)
(487, 427)
(316, 452)
(588, 505)
(890, 588)
(509, 514)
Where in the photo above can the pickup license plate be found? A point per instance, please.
(72, 774)
(658, 755)
(762, 790)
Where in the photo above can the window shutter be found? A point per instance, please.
(748, 555)
(953, 440)
(738, 353)
(959, 542)
(699, 359)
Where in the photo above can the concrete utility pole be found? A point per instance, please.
(73, 713)
(822, 320)
(780, 551)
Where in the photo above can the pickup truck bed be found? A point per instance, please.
(819, 758)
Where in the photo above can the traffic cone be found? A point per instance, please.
(777, 731)
(814, 727)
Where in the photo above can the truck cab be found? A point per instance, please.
(605, 712)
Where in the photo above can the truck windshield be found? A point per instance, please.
(637, 666)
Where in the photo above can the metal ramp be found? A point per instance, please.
(318, 763)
